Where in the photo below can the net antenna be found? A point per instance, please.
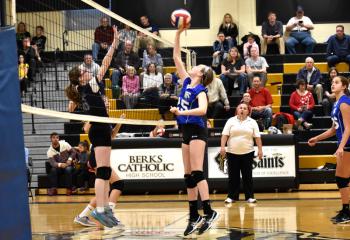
(13, 12)
(136, 27)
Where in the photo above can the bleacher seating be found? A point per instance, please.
(281, 77)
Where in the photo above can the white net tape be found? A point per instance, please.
(90, 118)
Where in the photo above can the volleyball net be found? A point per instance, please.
(75, 32)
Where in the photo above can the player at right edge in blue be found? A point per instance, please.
(341, 128)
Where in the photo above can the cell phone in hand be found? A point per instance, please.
(301, 22)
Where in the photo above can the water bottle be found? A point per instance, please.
(279, 90)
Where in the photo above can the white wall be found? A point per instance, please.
(243, 12)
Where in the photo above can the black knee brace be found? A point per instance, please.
(342, 182)
(189, 181)
(197, 176)
(103, 173)
(118, 185)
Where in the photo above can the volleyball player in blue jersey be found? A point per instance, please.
(191, 118)
(85, 91)
(340, 128)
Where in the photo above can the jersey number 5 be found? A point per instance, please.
(183, 104)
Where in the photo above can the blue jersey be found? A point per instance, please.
(337, 118)
(187, 101)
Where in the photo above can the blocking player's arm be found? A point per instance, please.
(108, 58)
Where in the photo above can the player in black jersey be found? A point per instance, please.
(85, 91)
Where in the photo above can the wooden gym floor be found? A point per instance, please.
(296, 215)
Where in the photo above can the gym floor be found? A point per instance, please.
(295, 215)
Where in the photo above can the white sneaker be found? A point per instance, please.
(251, 200)
(229, 200)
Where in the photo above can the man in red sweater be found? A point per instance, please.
(261, 102)
(103, 37)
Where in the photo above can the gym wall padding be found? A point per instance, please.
(14, 209)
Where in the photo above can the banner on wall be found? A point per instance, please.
(278, 161)
(148, 163)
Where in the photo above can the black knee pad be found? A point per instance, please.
(189, 181)
(104, 173)
(197, 176)
(118, 185)
(342, 182)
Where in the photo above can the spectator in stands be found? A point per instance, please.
(152, 79)
(301, 103)
(151, 56)
(30, 54)
(217, 99)
(103, 38)
(299, 28)
(89, 65)
(60, 155)
(328, 96)
(220, 47)
(261, 102)
(22, 74)
(248, 46)
(81, 166)
(312, 77)
(167, 93)
(21, 34)
(124, 58)
(230, 30)
(130, 88)
(256, 65)
(246, 99)
(338, 49)
(126, 34)
(233, 72)
(272, 33)
(142, 40)
(39, 40)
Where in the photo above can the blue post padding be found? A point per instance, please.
(14, 209)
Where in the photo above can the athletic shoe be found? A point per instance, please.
(342, 217)
(252, 200)
(85, 221)
(193, 225)
(110, 214)
(102, 218)
(333, 218)
(229, 200)
(208, 222)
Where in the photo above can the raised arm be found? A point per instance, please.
(177, 56)
(108, 58)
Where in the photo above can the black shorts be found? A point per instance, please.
(347, 148)
(100, 135)
(193, 132)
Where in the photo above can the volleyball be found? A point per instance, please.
(181, 18)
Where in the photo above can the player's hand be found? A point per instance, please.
(260, 155)
(339, 153)
(312, 141)
(174, 110)
(227, 108)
